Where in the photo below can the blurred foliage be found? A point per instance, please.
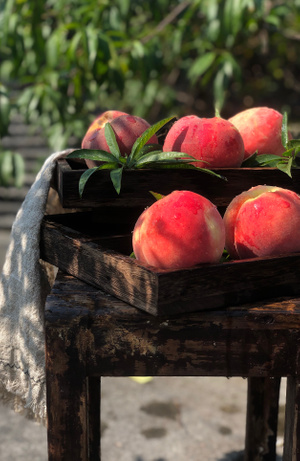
(12, 169)
(63, 62)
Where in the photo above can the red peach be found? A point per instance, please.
(97, 125)
(179, 231)
(94, 129)
(213, 140)
(127, 129)
(263, 221)
(260, 128)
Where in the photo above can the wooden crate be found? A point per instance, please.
(95, 247)
(136, 184)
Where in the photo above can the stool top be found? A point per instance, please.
(116, 339)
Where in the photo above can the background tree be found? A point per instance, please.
(63, 62)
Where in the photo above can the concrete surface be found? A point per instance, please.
(167, 419)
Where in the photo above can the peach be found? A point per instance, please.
(93, 130)
(263, 221)
(179, 231)
(260, 128)
(127, 129)
(97, 125)
(213, 140)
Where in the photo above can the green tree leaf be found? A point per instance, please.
(156, 195)
(116, 177)
(84, 178)
(12, 169)
(111, 141)
(284, 131)
(4, 111)
(201, 65)
(159, 157)
(144, 138)
(286, 167)
(93, 154)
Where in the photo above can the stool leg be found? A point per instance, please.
(262, 417)
(94, 418)
(291, 451)
(66, 401)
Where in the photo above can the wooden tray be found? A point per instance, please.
(136, 184)
(95, 248)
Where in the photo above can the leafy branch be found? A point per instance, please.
(142, 156)
(288, 158)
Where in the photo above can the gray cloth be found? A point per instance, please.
(24, 285)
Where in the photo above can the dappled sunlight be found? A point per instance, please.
(24, 285)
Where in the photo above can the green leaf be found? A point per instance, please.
(232, 19)
(284, 131)
(262, 160)
(92, 40)
(160, 156)
(184, 166)
(156, 195)
(288, 153)
(88, 173)
(84, 178)
(219, 88)
(217, 113)
(4, 111)
(148, 148)
(6, 168)
(116, 177)
(144, 138)
(267, 158)
(225, 256)
(294, 143)
(286, 167)
(111, 140)
(12, 169)
(93, 154)
(250, 161)
(201, 65)
(18, 169)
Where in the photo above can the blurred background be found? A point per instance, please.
(62, 63)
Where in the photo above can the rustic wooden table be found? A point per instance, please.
(90, 334)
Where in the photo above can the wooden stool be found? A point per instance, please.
(90, 334)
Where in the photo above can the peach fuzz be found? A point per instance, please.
(213, 140)
(127, 129)
(263, 221)
(179, 231)
(260, 128)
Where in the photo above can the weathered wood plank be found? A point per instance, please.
(136, 184)
(253, 340)
(98, 253)
(90, 334)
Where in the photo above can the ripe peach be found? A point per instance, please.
(97, 125)
(213, 140)
(127, 129)
(179, 231)
(260, 128)
(263, 221)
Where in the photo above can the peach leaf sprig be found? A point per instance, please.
(142, 156)
(288, 160)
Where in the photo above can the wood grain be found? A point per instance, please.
(90, 334)
(136, 184)
(101, 257)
